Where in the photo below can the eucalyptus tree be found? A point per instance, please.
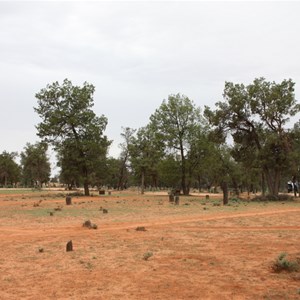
(126, 135)
(177, 120)
(256, 117)
(112, 175)
(200, 156)
(224, 169)
(9, 170)
(294, 174)
(145, 151)
(35, 164)
(69, 124)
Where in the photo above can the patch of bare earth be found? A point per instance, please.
(192, 251)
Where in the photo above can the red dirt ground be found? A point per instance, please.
(200, 249)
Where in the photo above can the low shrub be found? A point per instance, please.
(147, 255)
(282, 263)
(281, 197)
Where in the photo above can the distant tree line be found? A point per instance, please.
(33, 171)
(244, 143)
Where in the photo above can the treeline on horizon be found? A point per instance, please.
(181, 147)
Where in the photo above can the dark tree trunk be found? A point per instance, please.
(185, 190)
(236, 188)
(121, 180)
(199, 183)
(263, 184)
(224, 186)
(86, 188)
(143, 182)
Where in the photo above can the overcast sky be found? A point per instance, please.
(138, 53)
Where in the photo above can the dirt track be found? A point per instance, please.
(220, 253)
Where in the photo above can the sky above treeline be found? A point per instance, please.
(138, 53)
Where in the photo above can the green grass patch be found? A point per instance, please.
(16, 191)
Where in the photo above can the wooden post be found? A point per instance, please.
(176, 200)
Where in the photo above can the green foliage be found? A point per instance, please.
(71, 126)
(145, 150)
(147, 255)
(280, 197)
(112, 174)
(282, 263)
(123, 164)
(255, 116)
(176, 122)
(10, 171)
(169, 171)
(35, 164)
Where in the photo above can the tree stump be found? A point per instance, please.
(68, 200)
(69, 246)
(206, 196)
(176, 200)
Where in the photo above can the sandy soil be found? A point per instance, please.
(197, 250)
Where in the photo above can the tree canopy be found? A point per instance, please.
(177, 121)
(255, 116)
(35, 164)
(71, 126)
(10, 172)
(245, 142)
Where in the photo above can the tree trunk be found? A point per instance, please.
(199, 183)
(86, 188)
(224, 187)
(273, 181)
(143, 183)
(236, 188)
(121, 179)
(183, 179)
(185, 191)
(263, 184)
(277, 182)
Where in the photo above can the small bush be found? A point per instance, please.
(140, 228)
(283, 264)
(282, 197)
(237, 200)
(89, 225)
(147, 255)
